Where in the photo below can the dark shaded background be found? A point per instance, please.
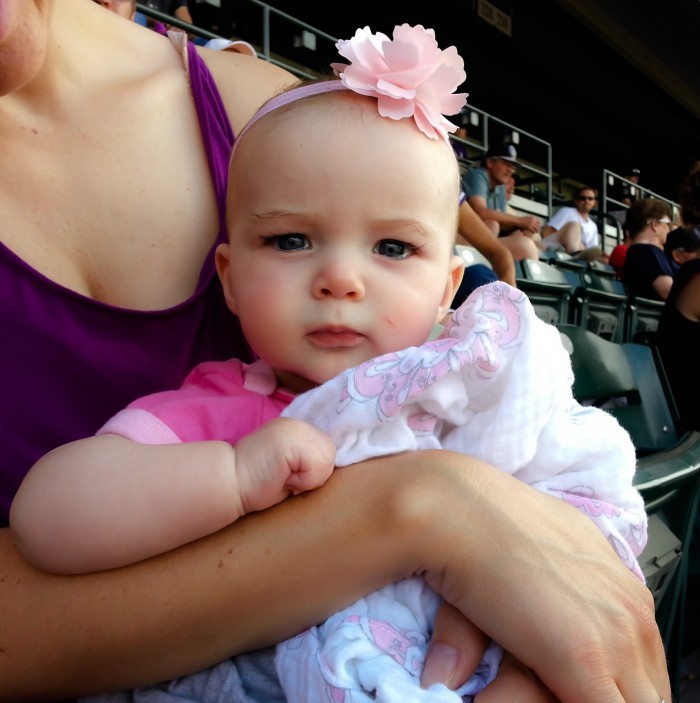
(622, 93)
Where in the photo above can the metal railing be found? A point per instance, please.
(307, 52)
(614, 208)
(534, 153)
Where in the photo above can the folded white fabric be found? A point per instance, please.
(496, 385)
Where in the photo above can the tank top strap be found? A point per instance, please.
(217, 133)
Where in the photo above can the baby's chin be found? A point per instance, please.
(300, 382)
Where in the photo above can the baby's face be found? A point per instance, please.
(341, 232)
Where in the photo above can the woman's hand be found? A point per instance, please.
(515, 683)
(456, 647)
(540, 579)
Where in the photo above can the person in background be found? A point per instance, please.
(648, 272)
(472, 232)
(574, 229)
(124, 8)
(460, 148)
(238, 46)
(108, 292)
(678, 334)
(624, 193)
(510, 186)
(484, 189)
(175, 8)
(617, 258)
(628, 192)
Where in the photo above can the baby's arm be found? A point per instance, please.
(107, 501)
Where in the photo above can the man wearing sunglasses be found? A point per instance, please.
(573, 229)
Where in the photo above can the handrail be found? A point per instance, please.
(538, 170)
(609, 178)
(541, 170)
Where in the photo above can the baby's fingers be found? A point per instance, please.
(313, 461)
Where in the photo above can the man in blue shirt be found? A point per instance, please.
(485, 191)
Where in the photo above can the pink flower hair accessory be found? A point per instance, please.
(409, 75)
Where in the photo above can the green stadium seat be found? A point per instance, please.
(548, 289)
(628, 379)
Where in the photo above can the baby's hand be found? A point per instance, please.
(283, 457)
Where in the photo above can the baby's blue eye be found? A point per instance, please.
(394, 249)
(289, 242)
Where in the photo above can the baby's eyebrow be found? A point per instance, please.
(405, 225)
(272, 214)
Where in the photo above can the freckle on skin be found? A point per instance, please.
(221, 564)
(35, 131)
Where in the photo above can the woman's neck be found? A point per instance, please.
(647, 236)
(69, 69)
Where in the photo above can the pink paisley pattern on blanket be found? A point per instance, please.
(474, 337)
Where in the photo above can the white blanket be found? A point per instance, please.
(495, 385)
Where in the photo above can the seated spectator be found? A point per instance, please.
(237, 46)
(623, 192)
(678, 336)
(175, 8)
(629, 192)
(683, 244)
(573, 229)
(124, 8)
(460, 148)
(648, 271)
(510, 192)
(617, 258)
(473, 232)
(484, 188)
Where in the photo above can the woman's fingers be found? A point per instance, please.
(540, 578)
(515, 683)
(456, 648)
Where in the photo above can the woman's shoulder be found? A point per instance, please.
(244, 82)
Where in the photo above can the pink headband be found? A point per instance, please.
(289, 96)
(409, 75)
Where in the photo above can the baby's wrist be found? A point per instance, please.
(234, 488)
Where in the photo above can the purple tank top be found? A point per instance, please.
(71, 362)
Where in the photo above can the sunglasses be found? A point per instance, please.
(585, 197)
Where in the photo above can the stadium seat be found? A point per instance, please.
(471, 255)
(603, 306)
(642, 318)
(548, 289)
(628, 380)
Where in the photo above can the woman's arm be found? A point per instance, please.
(662, 285)
(244, 82)
(688, 302)
(475, 233)
(526, 568)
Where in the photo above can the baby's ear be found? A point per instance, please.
(223, 268)
(454, 278)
